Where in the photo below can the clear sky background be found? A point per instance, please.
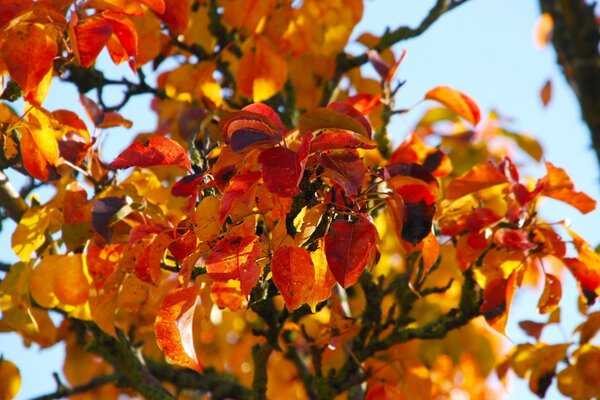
(484, 48)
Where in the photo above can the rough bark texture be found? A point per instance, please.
(576, 38)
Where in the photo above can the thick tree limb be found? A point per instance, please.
(64, 392)
(576, 38)
(10, 199)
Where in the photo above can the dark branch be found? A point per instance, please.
(576, 38)
(10, 199)
(346, 62)
(63, 392)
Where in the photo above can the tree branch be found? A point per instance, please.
(91, 385)
(346, 62)
(10, 199)
(576, 38)
(128, 363)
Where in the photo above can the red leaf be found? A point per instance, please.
(346, 168)
(347, 247)
(187, 186)
(124, 30)
(235, 257)
(239, 186)
(156, 151)
(90, 37)
(294, 275)
(331, 139)
(175, 15)
(349, 110)
(173, 328)
(533, 329)
(280, 171)
(265, 110)
(497, 298)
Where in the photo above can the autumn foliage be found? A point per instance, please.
(266, 240)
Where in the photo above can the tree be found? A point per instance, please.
(269, 242)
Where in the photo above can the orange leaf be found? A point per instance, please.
(89, 38)
(542, 30)
(347, 247)
(33, 160)
(22, 44)
(457, 101)
(533, 329)
(293, 274)
(497, 298)
(546, 93)
(559, 186)
(175, 15)
(234, 257)
(239, 186)
(263, 72)
(551, 296)
(479, 177)
(158, 150)
(173, 327)
(158, 6)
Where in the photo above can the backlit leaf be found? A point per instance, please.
(457, 101)
(551, 296)
(234, 257)
(293, 274)
(479, 177)
(23, 43)
(10, 380)
(89, 38)
(546, 93)
(347, 247)
(262, 72)
(559, 186)
(173, 327)
(239, 187)
(158, 150)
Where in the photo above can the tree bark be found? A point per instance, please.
(576, 38)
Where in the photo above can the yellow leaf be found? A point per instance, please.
(206, 219)
(40, 126)
(41, 282)
(71, 285)
(30, 233)
(10, 380)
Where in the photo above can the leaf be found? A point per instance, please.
(294, 275)
(559, 186)
(479, 177)
(60, 280)
(33, 160)
(551, 296)
(546, 93)
(497, 298)
(533, 329)
(102, 262)
(23, 43)
(262, 72)
(173, 327)
(457, 101)
(542, 30)
(206, 219)
(89, 38)
(175, 15)
(348, 246)
(282, 168)
(29, 234)
(158, 150)
(234, 257)
(10, 380)
(345, 168)
(589, 328)
(331, 139)
(103, 212)
(329, 118)
(238, 188)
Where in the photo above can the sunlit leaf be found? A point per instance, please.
(293, 274)
(234, 257)
(457, 101)
(173, 327)
(551, 295)
(158, 150)
(559, 186)
(23, 43)
(479, 177)
(10, 380)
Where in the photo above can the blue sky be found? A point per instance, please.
(484, 48)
